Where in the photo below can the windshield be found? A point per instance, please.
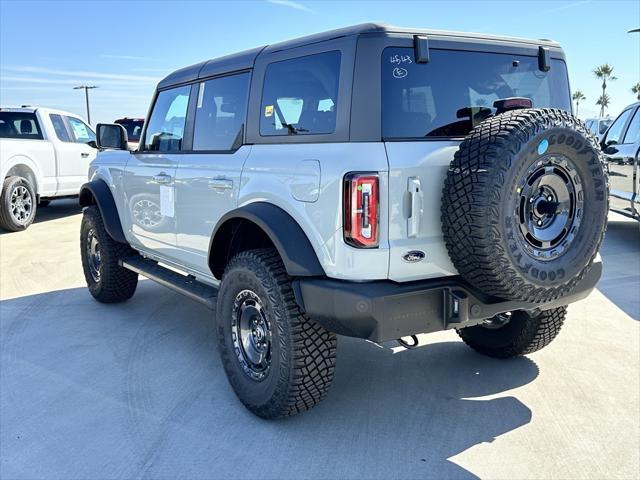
(133, 128)
(604, 124)
(434, 99)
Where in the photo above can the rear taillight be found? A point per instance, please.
(361, 210)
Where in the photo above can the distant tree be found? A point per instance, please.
(604, 72)
(604, 100)
(577, 97)
(636, 90)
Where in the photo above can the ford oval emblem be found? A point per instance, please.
(414, 256)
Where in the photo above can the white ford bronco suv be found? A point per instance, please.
(44, 155)
(372, 181)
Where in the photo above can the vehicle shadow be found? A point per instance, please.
(58, 209)
(137, 390)
(55, 210)
(620, 253)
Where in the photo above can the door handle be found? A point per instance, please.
(221, 184)
(415, 194)
(84, 154)
(162, 178)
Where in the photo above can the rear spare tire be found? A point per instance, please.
(525, 204)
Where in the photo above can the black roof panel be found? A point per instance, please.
(244, 60)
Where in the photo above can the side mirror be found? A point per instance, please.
(112, 136)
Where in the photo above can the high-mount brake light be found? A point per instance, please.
(361, 212)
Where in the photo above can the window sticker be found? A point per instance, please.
(268, 110)
(166, 201)
(79, 130)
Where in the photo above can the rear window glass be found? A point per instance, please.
(220, 113)
(133, 128)
(300, 95)
(59, 127)
(19, 125)
(432, 99)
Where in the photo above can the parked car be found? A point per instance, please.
(133, 126)
(372, 181)
(44, 155)
(621, 145)
(598, 125)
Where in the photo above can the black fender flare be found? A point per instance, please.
(295, 249)
(97, 192)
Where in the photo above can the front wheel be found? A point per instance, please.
(107, 281)
(277, 360)
(514, 333)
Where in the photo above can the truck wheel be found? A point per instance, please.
(525, 204)
(108, 282)
(514, 334)
(17, 204)
(277, 360)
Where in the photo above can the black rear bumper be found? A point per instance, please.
(386, 310)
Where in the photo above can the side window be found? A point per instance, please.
(23, 125)
(300, 96)
(220, 113)
(166, 124)
(59, 127)
(633, 132)
(615, 131)
(81, 132)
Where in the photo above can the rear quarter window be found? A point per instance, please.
(23, 125)
(427, 99)
(300, 96)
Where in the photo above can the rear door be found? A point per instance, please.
(208, 176)
(149, 178)
(427, 109)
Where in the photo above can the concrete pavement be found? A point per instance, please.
(137, 390)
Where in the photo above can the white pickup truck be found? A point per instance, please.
(44, 155)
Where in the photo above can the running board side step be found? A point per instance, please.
(184, 284)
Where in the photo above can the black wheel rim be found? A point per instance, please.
(251, 332)
(550, 206)
(93, 255)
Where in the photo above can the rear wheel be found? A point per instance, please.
(278, 361)
(17, 204)
(107, 281)
(514, 333)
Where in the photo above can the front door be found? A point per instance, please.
(149, 179)
(208, 177)
(73, 152)
(622, 141)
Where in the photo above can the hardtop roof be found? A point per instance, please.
(245, 59)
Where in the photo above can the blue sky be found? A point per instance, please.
(46, 48)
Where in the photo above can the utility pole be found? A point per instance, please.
(86, 97)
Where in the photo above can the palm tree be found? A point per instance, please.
(604, 72)
(636, 90)
(603, 101)
(577, 97)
